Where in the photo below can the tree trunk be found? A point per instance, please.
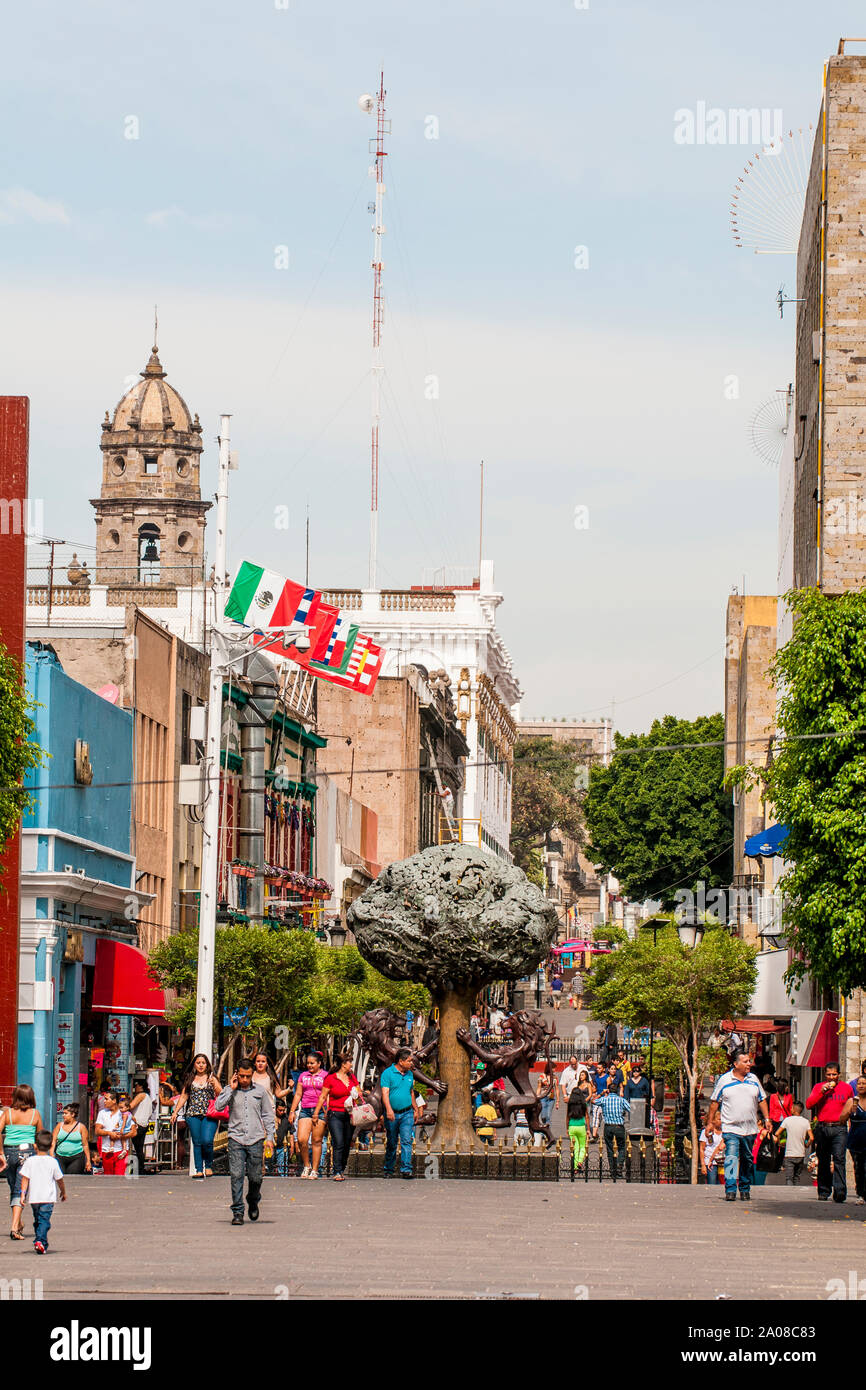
(693, 1127)
(454, 1117)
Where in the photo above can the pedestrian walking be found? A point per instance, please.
(340, 1085)
(568, 1077)
(614, 1109)
(556, 991)
(311, 1132)
(250, 1137)
(141, 1106)
(398, 1097)
(739, 1098)
(547, 1091)
(284, 1139)
(522, 1134)
(577, 985)
(831, 1102)
(577, 1106)
(41, 1179)
(199, 1088)
(781, 1102)
(608, 1039)
(712, 1148)
(264, 1075)
(860, 1075)
(109, 1126)
(599, 1080)
(19, 1125)
(798, 1136)
(70, 1142)
(857, 1139)
(637, 1088)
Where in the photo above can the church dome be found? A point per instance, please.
(152, 404)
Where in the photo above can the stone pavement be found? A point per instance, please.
(167, 1237)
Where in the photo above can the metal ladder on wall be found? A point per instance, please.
(453, 831)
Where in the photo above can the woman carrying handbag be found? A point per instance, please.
(199, 1089)
(19, 1126)
(338, 1091)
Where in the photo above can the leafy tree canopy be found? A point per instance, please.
(545, 795)
(664, 820)
(816, 786)
(19, 754)
(284, 978)
(680, 991)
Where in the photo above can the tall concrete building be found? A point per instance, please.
(750, 716)
(822, 484)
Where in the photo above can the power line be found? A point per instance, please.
(487, 762)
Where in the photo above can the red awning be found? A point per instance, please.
(755, 1025)
(121, 984)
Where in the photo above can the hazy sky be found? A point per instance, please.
(601, 387)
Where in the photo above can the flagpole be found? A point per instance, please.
(211, 772)
(378, 171)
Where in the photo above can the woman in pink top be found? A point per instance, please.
(308, 1092)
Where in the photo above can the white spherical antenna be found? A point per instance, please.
(366, 103)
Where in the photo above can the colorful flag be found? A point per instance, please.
(322, 630)
(256, 596)
(341, 650)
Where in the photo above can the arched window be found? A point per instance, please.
(148, 554)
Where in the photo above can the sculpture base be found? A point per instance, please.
(483, 1163)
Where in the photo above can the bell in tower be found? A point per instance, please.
(150, 519)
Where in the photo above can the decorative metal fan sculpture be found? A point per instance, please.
(768, 198)
(768, 428)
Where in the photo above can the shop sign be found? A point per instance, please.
(64, 1076)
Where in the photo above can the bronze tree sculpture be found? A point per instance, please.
(529, 1035)
(455, 919)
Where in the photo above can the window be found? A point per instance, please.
(148, 554)
(151, 464)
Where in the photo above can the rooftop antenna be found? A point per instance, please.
(377, 171)
(767, 202)
(155, 329)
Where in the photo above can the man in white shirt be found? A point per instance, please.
(798, 1133)
(568, 1079)
(739, 1097)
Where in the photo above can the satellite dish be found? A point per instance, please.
(366, 103)
(111, 693)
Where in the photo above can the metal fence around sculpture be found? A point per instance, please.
(639, 1160)
(562, 1048)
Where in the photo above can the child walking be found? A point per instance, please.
(41, 1176)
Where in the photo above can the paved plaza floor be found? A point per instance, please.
(167, 1237)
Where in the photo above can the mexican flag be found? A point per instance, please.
(256, 596)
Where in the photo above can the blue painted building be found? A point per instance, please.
(78, 893)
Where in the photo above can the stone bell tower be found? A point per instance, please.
(150, 519)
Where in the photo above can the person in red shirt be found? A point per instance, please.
(781, 1103)
(339, 1087)
(831, 1102)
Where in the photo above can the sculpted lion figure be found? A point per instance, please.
(529, 1036)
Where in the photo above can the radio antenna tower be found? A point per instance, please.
(377, 171)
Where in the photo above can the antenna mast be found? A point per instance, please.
(377, 171)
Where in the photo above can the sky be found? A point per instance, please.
(564, 298)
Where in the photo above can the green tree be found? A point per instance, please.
(267, 973)
(660, 821)
(816, 786)
(612, 933)
(709, 1062)
(545, 796)
(283, 980)
(679, 991)
(19, 754)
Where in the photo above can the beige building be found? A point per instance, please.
(573, 884)
(750, 716)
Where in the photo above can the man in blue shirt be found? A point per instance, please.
(614, 1108)
(398, 1098)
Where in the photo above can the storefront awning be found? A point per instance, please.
(121, 984)
(767, 842)
(755, 1025)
